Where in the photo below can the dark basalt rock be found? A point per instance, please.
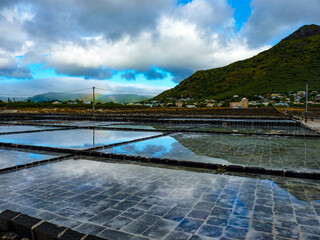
(22, 225)
(5, 217)
(304, 31)
(48, 231)
(71, 235)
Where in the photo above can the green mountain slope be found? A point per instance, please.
(283, 68)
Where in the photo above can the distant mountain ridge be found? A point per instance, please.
(5, 99)
(283, 68)
(116, 98)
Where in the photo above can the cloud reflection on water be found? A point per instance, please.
(163, 147)
(78, 138)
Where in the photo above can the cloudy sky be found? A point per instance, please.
(134, 46)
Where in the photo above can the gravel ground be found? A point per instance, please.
(315, 125)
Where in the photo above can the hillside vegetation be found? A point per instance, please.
(283, 68)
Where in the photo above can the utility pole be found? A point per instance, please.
(93, 138)
(306, 113)
(93, 101)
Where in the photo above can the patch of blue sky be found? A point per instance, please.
(183, 2)
(242, 11)
(40, 71)
(24, 8)
(157, 147)
(273, 41)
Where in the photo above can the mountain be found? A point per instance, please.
(117, 98)
(14, 99)
(283, 68)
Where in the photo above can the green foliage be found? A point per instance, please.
(283, 68)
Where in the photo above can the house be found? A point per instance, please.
(155, 104)
(210, 105)
(242, 104)
(179, 104)
(281, 104)
(254, 103)
(56, 102)
(191, 106)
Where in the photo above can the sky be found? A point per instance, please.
(134, 46)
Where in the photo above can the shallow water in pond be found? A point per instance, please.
(81, 123)
(281, 130)
(259, 151)
(75, 139)
(122, 201)
(16, 128)
(10, 158)
(132, 126)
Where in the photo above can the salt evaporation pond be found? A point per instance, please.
(10, 158)
(127, 201)
(258, 151)
(75, 138)
(21, 128)
(122, 201)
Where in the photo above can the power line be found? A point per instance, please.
(16, 95)
(126, 91)
(75, 90)
(78, 90)
(28, 94)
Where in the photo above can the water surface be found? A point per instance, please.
(10, 158)
(75, 138)
(120, 201)
(20, 128)
(263, 129)
(259, 151)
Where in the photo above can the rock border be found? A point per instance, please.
(37, 229)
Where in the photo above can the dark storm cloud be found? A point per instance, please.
(53, 21)
(15, 72)
(129, 76)
(117, 17)
(99, 73)
(69, 20)
(152, 74)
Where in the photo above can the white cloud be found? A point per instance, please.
(121, 35)
(13, 36)
(208, 14)
(274, 19)
(174, 44)
(79, 38)
(10, 67)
